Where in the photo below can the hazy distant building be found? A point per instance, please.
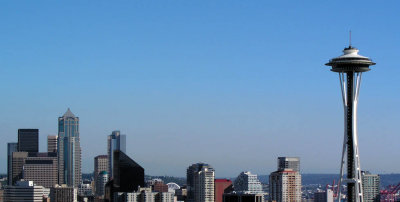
(25, 191)
(63, 193)
(100, 164)
(69, 150)
(101, 181)
(247, 183)
(159, 186)
(200, 182)
(41, 168)
(243, 197)
(18, 161)
(289, 163)
(370, 184)
(115, 142)
(52, 143)
(221, 186)
(28, 140)
(11, 147)
(325, 196)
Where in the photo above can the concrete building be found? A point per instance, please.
(101, 181)
(289, 163)
(325, 196)
(221, 186)
(85, 190)
(243, 197)
(52, 143)
(100, 164)
(41, 168)
(200, 182)
(248, 183)
(115, 142)
(144, 195)
(370, 186)
(25, 191)
(285, 186)
(11, 147)
(28, 140)
(18, 161)
(63, 193)
(69, 150)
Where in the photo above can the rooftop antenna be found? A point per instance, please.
(350, 39)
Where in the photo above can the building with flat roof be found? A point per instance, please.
(370, 186)
(289, 163)
(18, 161)
(247, 182)
(28, 140)
(200, 182)
(285, 186)
(243, 197)
(11, 147)
(52, 143)
(25, 191)
(63, 193)
(115, 142)
(41, 168)
(222, 186)
(100, 165)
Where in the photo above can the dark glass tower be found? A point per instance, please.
(28, 140)
(11, 147)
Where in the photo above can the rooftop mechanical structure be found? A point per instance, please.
(350, 67)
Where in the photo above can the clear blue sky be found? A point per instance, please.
(231, 83)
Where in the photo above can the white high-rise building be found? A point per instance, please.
(325, 196)
(370, 186)
(25, 191)
(247, 183)
(200, 182)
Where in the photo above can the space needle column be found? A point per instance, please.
(350, 67)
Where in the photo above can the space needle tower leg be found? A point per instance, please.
(350, 67)
(350, 86)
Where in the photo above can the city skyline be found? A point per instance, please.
(181, 77)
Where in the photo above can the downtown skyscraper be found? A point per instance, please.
(115, 142)
(69, 150)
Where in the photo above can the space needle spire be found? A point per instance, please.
(350, 67)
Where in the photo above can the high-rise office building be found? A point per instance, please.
(63, 193)
(101, 181)
(69, 150)
(28, 140)
(289, 163)
(25, 191)
(248, 183)
(128, 176)
(115, 142)
(221, 186)
(370, 185)
(41, 168)
(18, 161)
(285, 186)
(100, 164)
(52, 143)
(200, 182)
(11, 147)
(285, 183)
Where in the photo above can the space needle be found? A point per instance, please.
(350, 67)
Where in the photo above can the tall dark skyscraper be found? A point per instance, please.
(350, 67)
(115, 142)
(28, 140)
(11, 147)
(69, 150)
(128, 176)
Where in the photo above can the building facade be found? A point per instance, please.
(221, 186)
(100, 165)
(289, 163)
(325, 196)
(63, 193)
(242, 197)
(285, 186)
(28, 140)
(17, 167)
(200, 182)
(25, 191)
(52, 143)
(11, 147)
(41, 168)
(101, 181)
(115, 142)
(371, 186)
(248, 183)
(69, 150)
